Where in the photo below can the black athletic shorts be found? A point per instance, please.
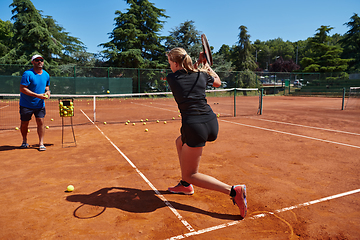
(26, 113)
(197, 134)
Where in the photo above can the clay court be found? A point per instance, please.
(299, 161)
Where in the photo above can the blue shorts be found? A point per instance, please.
(26, 113)
(197, 134)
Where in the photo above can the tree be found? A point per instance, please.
(281, 65)
(242, 53)
(34, 34)
(6, 33)
(351, 43)
(321, 55)
(135, 42)
(72, 47)
(185, 36)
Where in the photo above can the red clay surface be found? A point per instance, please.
(300, 150)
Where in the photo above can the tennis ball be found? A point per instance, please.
(28, 130)
(126, 123)
(133, 124)
(164, 122)
(47, 127)
(45, 95)
(105, 123)
(218, 115)
(70, 188)
(173, 118)
(157, 121)
(146, 130)
(144, 123)
(146, 119)
(16, 128)
(108, 91)
(179, 116)
(141, 120)
(52, 119)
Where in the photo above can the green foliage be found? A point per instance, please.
(351, 43)
(185, 36)
(242, 53)
(32, 34)
(6, 33)
(322, 55)
(134, 41)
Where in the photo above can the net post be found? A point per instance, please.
(261, 101)
(343, 99)
(235, 102)
(94, 101)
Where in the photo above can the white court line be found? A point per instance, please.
(299, 125)
(154, 107)
(167, 203)
(292, 134)
(263, 215)
(4, 106)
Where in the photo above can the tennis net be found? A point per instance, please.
(353, 101)
(133, 107)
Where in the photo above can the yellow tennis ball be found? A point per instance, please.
(157, 121)
(133, 124)
(104, 122)
(126, 123)
(47, 127)
(16, 128)
(52, 119)
(164, 122)
(70, 188)
(108, 91)
(146, 130)
(28, 130)
(144, 123)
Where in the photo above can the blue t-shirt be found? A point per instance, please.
(36, 83)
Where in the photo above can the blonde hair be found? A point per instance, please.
(180, 56)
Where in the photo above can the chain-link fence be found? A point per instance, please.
(71, 79)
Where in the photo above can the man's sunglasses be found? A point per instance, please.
(38, 60)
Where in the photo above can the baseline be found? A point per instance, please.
(210, 229)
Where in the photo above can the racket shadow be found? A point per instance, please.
(130, 200)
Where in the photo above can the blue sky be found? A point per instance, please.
(91, 21)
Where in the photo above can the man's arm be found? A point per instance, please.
(25, 90)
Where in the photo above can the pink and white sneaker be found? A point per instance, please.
(189, 190)
(240, 199)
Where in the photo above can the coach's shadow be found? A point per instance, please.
(9, 148)
(132, 200)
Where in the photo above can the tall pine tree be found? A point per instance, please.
(135, 42)
(322, 55)
(351, 43)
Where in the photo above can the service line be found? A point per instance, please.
(292, 134)
(299, 125)
(167, 203)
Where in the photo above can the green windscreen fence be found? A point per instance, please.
(71, 85)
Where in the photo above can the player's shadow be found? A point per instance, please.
(131, 200)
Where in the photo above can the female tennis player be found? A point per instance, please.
(199, 124)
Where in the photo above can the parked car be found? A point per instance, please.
(297, 83)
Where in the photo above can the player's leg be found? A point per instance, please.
(25, 117)
(24, 127)
(40, 115)
(189, 162)
(40, 130)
